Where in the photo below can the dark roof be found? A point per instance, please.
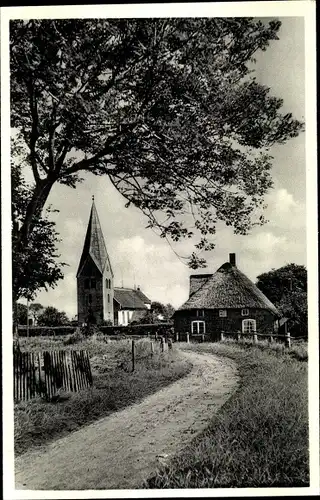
(228, 288)
(94, 244)
(129, 299)
(143, 297)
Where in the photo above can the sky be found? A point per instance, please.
(140, 257)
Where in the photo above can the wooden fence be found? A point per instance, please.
(287, 339)
(44, 373)
(256, 336)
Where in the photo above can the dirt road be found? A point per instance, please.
(123, 449)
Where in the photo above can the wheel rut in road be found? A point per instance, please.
(123, 449)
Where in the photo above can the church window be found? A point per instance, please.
(86, 283)
(93, 283)
(108, 298)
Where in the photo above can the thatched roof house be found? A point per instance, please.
(226, 300)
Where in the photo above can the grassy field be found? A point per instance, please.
(260, 437)
(115, 386)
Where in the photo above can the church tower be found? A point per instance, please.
(95, 277)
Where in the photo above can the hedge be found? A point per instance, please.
(141, 330)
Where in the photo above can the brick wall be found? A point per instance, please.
(215, 324)
(90, 271)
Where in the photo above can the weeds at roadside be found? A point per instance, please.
(260, 436)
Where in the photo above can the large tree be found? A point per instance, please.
(169, 109)
(287, 288)
(34, 266)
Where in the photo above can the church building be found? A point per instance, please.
(98, 300)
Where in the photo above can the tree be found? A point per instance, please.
(166, 311)
(167, 108)
(20, 314)
(52, 317)
(35, 310)
(287, 288)
(34, 266)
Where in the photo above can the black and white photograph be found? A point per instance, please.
(159, 198)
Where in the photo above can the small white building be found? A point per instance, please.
(129, 305)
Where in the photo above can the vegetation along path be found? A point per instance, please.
(125, 448)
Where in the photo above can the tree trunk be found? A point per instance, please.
(35, 206)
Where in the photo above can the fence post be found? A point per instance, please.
(255, 338)
(202, 337)
(169, 344)
(238, 336)
(162, 344)
(222, 335)
(188, 338)
(133, 353)
(271, 339)
(156, 336)
(288, 340)
(152, 349)
(177, 336)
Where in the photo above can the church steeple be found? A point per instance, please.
(94, 244)
(94, 275)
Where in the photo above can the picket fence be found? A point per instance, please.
(44, 373)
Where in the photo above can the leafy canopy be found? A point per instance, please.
(35, 266)
(169, 109)
(287, 288)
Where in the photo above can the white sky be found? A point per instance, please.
(139, 256)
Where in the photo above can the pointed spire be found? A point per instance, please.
(94, 244)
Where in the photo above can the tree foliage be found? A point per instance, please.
(35, 310)
(20, 314)
(35, 265)
(287, 287)
(165, 310)
(52, 317)
(167, 108)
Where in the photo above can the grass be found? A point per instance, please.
(37, 422)
(260, 436)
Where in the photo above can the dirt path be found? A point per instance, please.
(123, 449)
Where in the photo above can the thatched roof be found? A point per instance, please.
(130, 299)
(228, 288)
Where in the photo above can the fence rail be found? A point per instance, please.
(44, 373)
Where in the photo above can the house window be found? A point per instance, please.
(93, 283)
(87, 283)
(198, 327)
(200, 312)
(244, 312)
(248, 325)
(123, 317)
(222, 313)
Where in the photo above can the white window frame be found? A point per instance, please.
(200, 313)
(245, 312)
(197, 323)
(222, 313)
(247, 322)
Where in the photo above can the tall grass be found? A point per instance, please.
(115, 386)
(260, 436)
